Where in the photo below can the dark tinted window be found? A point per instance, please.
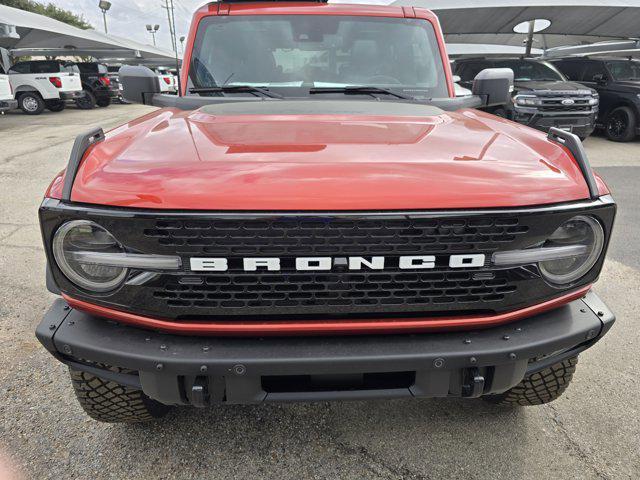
(624, 69)
(525, 70)
(88, 67)
(22, 67)
(45, 67)
(571, 69)
(593, 69)
(467, 71)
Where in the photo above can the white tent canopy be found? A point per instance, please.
(623, 48)
(487, 50)
(40, 35)
(573, 22)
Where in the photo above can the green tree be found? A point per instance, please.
(49, 10)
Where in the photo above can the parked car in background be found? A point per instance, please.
(97, 86)
(7, 102)
(542, 97)
(168, 82)
(617, 80)
(114, 77)
(41, 84)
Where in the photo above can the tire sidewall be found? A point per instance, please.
(31, 103)
(87, 102)
(628, 117)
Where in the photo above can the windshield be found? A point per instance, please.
(304, 51)
(625, 69)
(526, 71)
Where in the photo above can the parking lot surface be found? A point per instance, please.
(593, 431)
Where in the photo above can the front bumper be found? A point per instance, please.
(582, 124)
(6, 105)
(199, 371)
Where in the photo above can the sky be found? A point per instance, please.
(127, 18)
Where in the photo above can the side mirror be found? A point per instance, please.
(600, 78)
(493, 86)
(139, 83)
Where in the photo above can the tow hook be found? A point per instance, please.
(475, 385)
(200, 392)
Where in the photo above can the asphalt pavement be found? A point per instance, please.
(593, 431)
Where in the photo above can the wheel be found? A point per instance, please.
(620, 125)
(55, 105)
(103, 102)
(583, 138)
(31, 103)
(87, 101)
(538, 388)
(108, 401)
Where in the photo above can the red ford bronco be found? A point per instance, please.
(317, 217)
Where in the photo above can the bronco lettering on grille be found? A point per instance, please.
(407, 262)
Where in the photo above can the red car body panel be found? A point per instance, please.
(179, 160)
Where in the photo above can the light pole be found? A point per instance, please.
(182, 45)
(153, 29)
(104, 6)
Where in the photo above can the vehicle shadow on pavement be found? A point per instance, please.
(379, 439)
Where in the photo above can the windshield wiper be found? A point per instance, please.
(237, 89)
(360, 90)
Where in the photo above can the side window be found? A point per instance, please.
(469, 70)
(45, 67)
(593, 69)
(571, 70)
(22, 67)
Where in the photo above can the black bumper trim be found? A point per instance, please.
(6, 105)
(170, 364)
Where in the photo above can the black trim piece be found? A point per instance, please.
(127, 379)
(573, 143)
(80, 146)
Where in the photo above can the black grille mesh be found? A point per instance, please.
(342, 236)
(314, 292)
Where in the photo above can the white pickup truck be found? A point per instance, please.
(7, 102)
(41, 84)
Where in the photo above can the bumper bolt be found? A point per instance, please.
(473, 360)
(601, 314)
(583, 310)
(203, 368)
(466, 341)
(52, 327)
(512, 356)
(205, 349)
(438, 362)
(66, 307)
(159, 366)
(163, 347)
(506, 337)
(66, 349)
(519, 329)
(239, 369)
(591, 334)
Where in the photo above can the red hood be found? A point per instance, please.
(180, 160)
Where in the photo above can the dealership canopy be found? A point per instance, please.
(26, 33)
(570, 22)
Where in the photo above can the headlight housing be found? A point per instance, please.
(581, 230)
(527, 100)
(77, 237)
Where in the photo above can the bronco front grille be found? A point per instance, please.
(237, 294)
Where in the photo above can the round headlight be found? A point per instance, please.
(81, 236)
(583, 231)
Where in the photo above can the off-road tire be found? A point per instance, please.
(87, 101)
(111, 402)
(103, 102)
(31, 103)
(538, 388)
(620, 125)
(55, 105)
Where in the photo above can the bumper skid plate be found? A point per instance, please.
(199, 371)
